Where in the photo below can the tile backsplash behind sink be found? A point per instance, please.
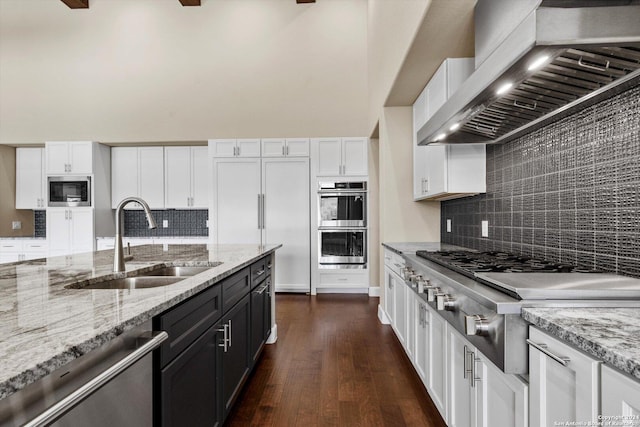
(568, 192)
(180, 223)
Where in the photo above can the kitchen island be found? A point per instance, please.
(45, 324)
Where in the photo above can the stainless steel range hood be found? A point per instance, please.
(556, 61)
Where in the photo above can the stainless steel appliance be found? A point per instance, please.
(69, 191)
(482, 294)
(109, 386)
(555, 61)
(342, 204)
(342, 248)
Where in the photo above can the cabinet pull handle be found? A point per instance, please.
(238, 150)
(259, 214)
(261, 290)
(70, 214)
(66, 214)
(287, 150)
(467, 371)
(564, 361)
(230, 334)
(474, 379)
(283, 150)
(63, 406)
(259, 273)
(225, 337)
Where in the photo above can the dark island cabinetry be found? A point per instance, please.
(215, 339)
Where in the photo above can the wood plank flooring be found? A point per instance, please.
(334, 365)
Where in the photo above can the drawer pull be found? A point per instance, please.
(259, 273)
(564, 361)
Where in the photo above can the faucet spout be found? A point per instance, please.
(118, 253)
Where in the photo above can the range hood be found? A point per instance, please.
(555, 62)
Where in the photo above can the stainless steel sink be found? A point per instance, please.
(162, 276)
(140, 282)
(177, 271)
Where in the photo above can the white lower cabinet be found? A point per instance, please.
(437, 361)
(462, 381)
(70, 231)
(399, 322)
(388, 294)
(14, 250)
(564, 382)
(620, 397)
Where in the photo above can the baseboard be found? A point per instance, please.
(303, 289)
(382, 316)
(374, 291)
(273, 337)
(333, 290)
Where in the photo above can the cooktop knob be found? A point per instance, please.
(476, 324)
(406, 272)
(445, 302)
(432, 291)
(422, 285)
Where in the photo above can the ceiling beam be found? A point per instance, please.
(190, 2)
(77, 4)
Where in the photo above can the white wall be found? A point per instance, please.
(401, 219)
(152, 70)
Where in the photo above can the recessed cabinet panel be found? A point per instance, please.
(620, 395)
(354, 156)
(199, 178)
(74, 157)
(273, 147)
(177, 169)
(30, 178)
(297, 147)
(151, 176)
(124, 173)
(329, 156)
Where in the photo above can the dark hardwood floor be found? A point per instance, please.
(334, 365)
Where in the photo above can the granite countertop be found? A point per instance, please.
(412, 247)
(44, 325)
(608, 334)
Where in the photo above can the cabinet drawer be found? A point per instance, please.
(188, 321)
(343, 279)
(258, 271)
(234, 288)
(394, 261)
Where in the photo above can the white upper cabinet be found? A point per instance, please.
(234, 147)
(341, 156)
(138, 171)
(447, 171)
(185, 172)
(69, 157)
(285, 147)
(30, 178)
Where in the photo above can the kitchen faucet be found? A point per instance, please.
(118, 255)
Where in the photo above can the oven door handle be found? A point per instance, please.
(334, 193)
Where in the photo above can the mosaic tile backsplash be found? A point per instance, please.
(568, 192)
(181, 223)
(40, 223)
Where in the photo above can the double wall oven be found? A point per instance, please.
(342, 224)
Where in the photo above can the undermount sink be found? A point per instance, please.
(177, 271)
(161, 276)
(140, 282)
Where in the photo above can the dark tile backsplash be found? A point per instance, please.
(40, 223)
(568, 192)
(181, 223)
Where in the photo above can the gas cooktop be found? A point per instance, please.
(469, 263)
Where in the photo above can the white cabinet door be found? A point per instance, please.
(222, 147)
(69, 157)
(199, 178)
(419, 152)
(437, 94)
(30, 178)
(81, 157)
(399, 299)
(273, 147)
(248, 147)
(58, 231)
(412, 324)
(285, 185)
(151, 176)
(81, 228)
(124, 174)
(177, 170)
(620, 396)
(235, 200)
(462, 389)
(421, 339)
(436, 170)
(437, 361)
(503, 399)
(329, 161)
(297, 147)
(561, 391)
(389, 295)
(354, 156)
(56, 154)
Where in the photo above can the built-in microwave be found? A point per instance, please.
(69, 191)
(342, 204)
